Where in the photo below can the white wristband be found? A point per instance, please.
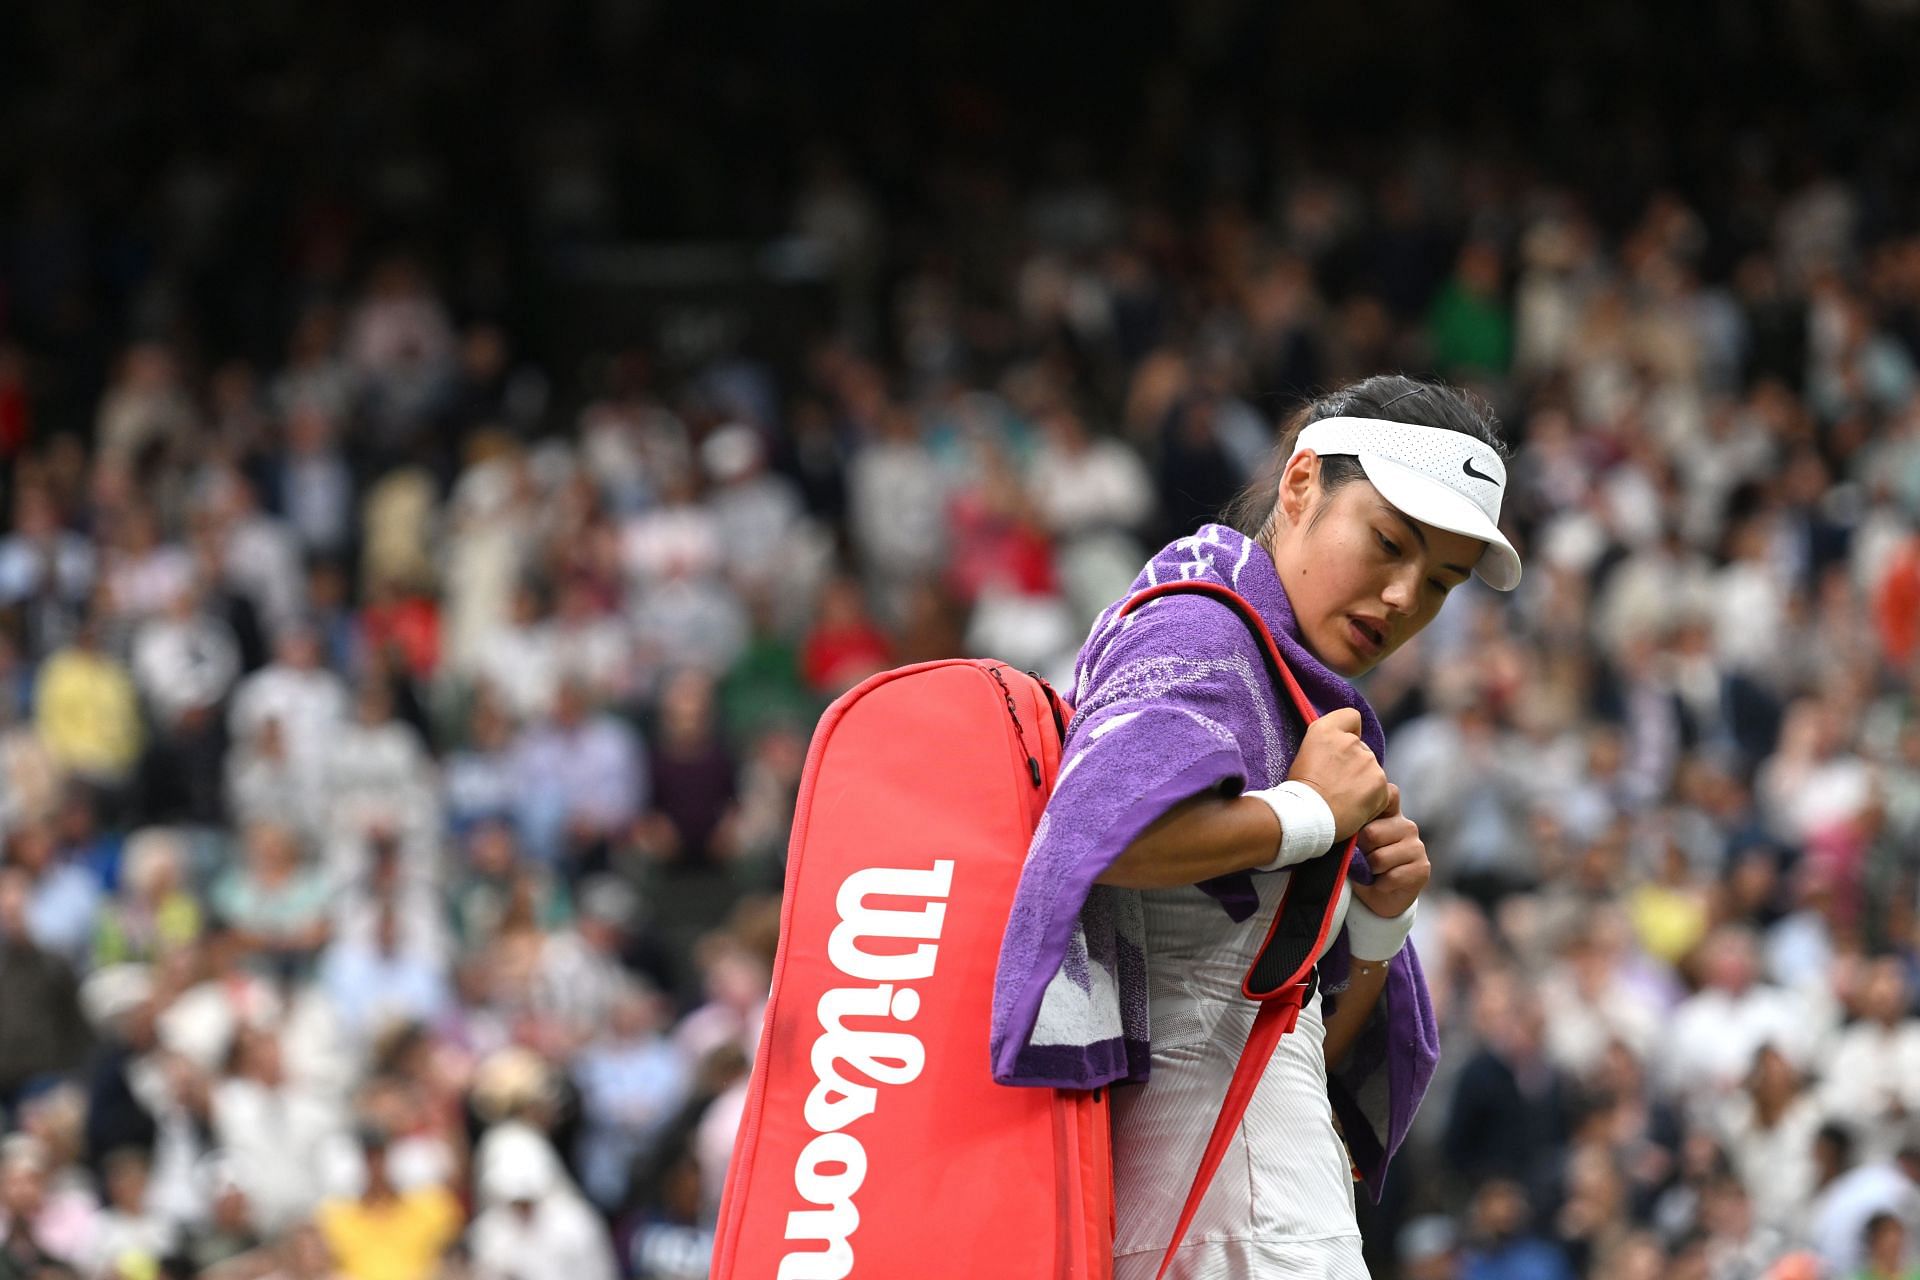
(1306, 823)
(1372, 937)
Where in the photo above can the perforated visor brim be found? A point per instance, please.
(1430, 501)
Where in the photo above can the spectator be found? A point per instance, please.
(184, 662)
(1428, 1250)
(388, 1234)
(229, 1232)
(277, 904)
(1871, 1079)
(580, 778)
(1768, 1132)
(355, 399)
(380, 980)
(693, 773)
(1849, 1195)
(844, 647)
(498, 889)
(632, 1081)
(532, 1223)
(313, 487)
(142, 571)
(274, 1130)
(1718, 1030)
(155, 911)
(1504, 1247)
(44, 1034)
(481, 785)
(130, 1233)
(33, 1239)
(62, 898)
(1886, 1249)
(46, 570)
(757, 512)
(1509, 1110)
(669, 1242)
(520, 661)
(86, 711)
(376, 769)
(303, 698)
(264, 785)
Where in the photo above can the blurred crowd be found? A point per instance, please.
(400, 719)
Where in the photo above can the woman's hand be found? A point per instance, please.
(1334, 761)
(1398, 858)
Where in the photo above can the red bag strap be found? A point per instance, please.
(1275, 1018)
(1281, 975)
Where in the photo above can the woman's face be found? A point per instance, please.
(1362, 577)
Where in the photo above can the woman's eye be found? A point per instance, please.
(1438, 585)
(1387, 544)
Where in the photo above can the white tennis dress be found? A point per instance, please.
(1281, 1204)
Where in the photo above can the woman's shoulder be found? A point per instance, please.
(1178, 628)
(1191, 624)
(1167, 645)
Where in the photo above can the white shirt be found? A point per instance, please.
(1581, 1024)
(378, 772)
(276, 1138)
(1104, 485)
(1870, 1073)
(897, 506)
(1714, 1036)
(147, 583)
(181, 665)
(669, 539)
(561, 1237)
(1774, 1164)
(309, 704)
(263, 560)
(1838, 1215)
(523, 666)
(1283, 1195)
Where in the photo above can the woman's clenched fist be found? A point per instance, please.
(1334, 761)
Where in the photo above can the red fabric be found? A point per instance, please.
(411, 625)
(1896, 605)
(994, 550)
(13, 417)
(958, 1177)
(835, 658)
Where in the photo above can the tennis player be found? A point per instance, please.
(1386, 500)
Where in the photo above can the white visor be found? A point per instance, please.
(1447, 479)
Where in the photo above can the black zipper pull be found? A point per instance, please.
(1013, 713)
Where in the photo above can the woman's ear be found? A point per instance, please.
(1299, 487)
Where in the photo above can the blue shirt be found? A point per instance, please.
(1529, 1259)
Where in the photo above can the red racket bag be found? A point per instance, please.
(875, 1143)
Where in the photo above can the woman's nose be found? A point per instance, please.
(1402, 590)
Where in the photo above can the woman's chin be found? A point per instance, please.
(1340, 657)
(1354, 667)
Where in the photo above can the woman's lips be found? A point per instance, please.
(1366, 639)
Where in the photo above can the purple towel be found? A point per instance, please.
(1171, 701)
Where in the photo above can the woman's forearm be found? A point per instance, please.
(1202, 837)
(1365, 981)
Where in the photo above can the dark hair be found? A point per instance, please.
(1880, 1222)
(1838, 1137)
(1426, 404)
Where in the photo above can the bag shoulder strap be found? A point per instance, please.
(1281, 977)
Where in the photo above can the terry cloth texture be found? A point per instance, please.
(1170, 701)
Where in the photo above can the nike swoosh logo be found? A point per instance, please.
(1467, 467)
